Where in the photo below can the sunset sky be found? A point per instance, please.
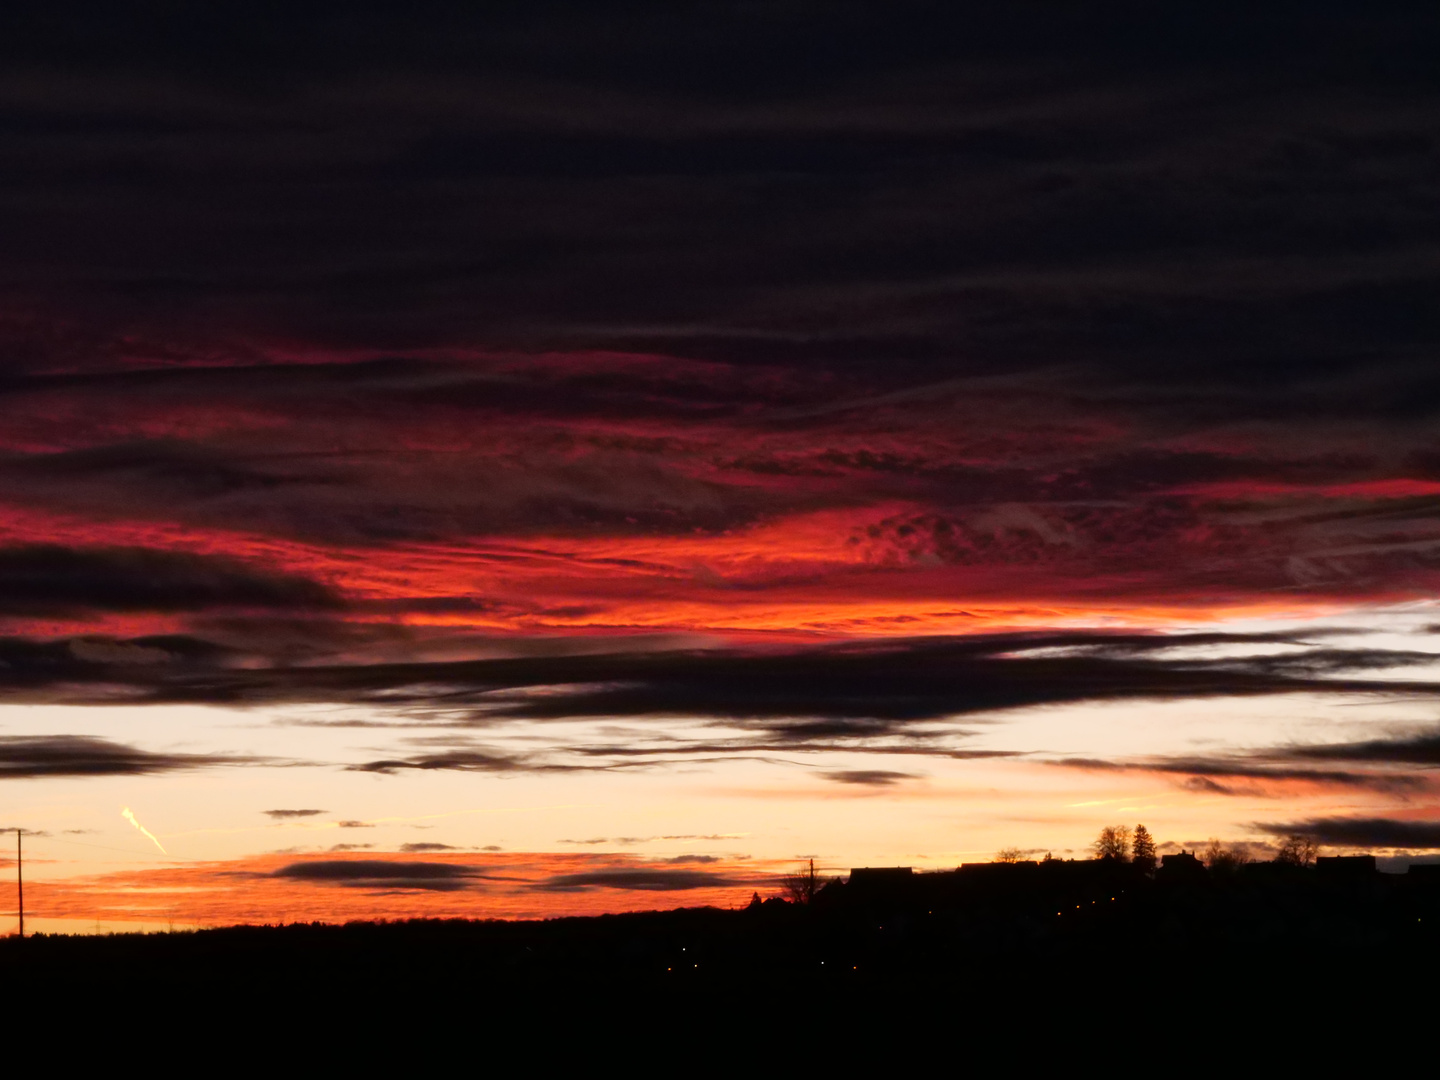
(582, 458)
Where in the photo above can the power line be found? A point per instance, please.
(81, 843)
(103, 847)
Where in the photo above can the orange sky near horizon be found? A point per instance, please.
(271, 889)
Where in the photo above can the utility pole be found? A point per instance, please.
(20, 882)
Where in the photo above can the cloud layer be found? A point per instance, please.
(787, 379)
(801, 691)
(929, 321)
(1359, 832)
(28, 757)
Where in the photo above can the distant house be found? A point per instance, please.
(1346, 866)
(1426, 874)
(880, 877)
(1179, 866)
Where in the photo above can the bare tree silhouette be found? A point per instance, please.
(1297, 851)
(1224, 860)
(1113, 843)
(1008, 855)
(801, 887)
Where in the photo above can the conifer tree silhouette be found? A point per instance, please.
(1142, 849)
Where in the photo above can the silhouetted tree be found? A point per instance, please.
(1297, 851)
(1142, 849)
(1224, 860)
(1113, 843)
(1008, 855)
(800, 888)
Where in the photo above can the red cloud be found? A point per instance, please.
(576, 493)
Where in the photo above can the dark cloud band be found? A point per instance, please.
(795, 695)
(23, 757)
(637, 880)
(47, 579)
(1413, 835)
(384, 874)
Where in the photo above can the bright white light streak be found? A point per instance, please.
(129, 815)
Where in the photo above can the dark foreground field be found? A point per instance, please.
(1058, 953)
